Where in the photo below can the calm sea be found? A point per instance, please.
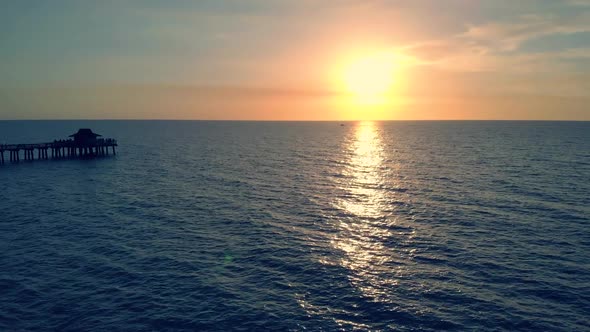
(403, 226)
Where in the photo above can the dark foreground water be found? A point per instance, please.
(409, 226)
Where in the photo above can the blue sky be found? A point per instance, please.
(270, 59)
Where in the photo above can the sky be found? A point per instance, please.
(292, 60)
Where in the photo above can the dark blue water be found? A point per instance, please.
(409, 226)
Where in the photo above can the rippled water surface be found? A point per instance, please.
(409, 226)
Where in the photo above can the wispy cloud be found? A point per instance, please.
(508, 36)
(496, 45)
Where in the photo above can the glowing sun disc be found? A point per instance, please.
(370, 77)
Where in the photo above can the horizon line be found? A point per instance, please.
(276, 120)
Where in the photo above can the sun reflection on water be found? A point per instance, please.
(364, 173)
(364, 229)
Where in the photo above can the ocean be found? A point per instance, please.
(293, 226)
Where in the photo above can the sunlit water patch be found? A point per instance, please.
(365, 224)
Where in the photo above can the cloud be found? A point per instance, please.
(508, 36)
(496, 45)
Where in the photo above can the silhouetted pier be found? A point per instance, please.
(85, 144)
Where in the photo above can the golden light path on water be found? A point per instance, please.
(365, 223)
(362, 235)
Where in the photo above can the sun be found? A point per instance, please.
(370, 79)
(370, 82)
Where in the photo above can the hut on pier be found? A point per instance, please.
(85, 138)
